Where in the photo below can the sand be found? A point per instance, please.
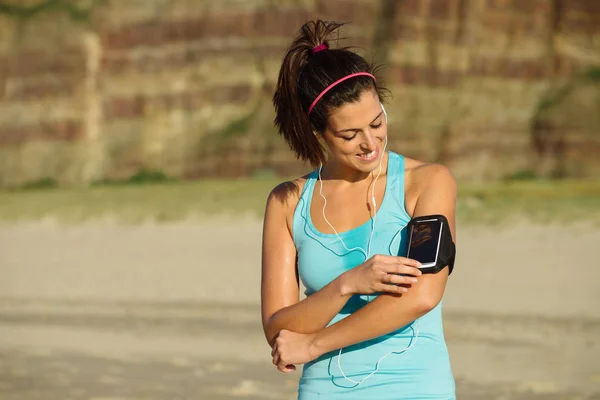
(171, 311)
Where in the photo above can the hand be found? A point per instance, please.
(293, 348)
(380, 274)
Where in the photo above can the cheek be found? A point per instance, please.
(339, 147)
(346, 149)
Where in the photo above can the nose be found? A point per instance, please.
(370, 141)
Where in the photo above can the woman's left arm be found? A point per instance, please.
(387, 312)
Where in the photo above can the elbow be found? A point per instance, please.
(429, 293)
(422, 297)
(269, 334)
(271, 340)
(427, 302)
(420, 304)
(270, 329)
(273, 323)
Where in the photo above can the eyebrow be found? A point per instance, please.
(355, 129)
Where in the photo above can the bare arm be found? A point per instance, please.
(280, 287)
(389, 311)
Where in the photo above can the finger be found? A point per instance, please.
(282, 366)
(394, 289)
(404, 269)
(407, 261)
(399, 279)
(276, 358)
(274, 349)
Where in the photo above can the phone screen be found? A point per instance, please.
(424, 241)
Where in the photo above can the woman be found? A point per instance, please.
(370, 326)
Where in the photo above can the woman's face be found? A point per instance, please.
(355, 133)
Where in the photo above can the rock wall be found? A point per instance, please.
(96, 90)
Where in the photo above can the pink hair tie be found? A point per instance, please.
(328, 88)
(319, 48)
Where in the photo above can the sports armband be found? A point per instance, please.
(430, 243)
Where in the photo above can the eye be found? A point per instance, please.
(377, 126)
(347, 139)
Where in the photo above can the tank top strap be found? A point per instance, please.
(309, 186)
(303, 206)
(396, 172)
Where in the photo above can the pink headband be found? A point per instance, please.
(328, 88)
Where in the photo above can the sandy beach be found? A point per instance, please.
(171, 311)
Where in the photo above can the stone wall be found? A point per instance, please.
(100, 89)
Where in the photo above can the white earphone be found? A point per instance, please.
(366, 254)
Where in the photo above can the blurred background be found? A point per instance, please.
(137, 150)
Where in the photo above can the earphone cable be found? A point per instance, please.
(366, 254)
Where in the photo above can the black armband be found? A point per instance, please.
(430, 243)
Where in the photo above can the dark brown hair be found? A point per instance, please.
(304, 75)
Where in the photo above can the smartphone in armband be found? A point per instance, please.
(430, 243)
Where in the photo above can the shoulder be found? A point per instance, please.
(282, 201)
(423, 175)
(428, 183)
(285, 196)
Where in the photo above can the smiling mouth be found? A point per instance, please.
(369, 156)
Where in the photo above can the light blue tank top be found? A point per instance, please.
(421, 372)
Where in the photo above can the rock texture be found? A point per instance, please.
(99, 89)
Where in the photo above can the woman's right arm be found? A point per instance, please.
(280, 286)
